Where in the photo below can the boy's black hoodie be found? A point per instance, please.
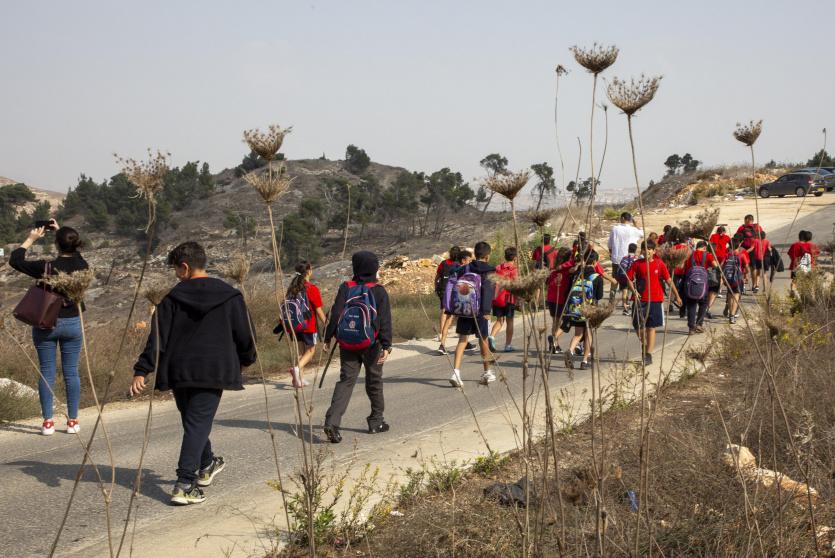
(488, 288)
(365, 265)
(204, 336)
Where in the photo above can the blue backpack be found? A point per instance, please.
(732, 271)
(355, 330)
(624, 265)
(581, 293)
(295, 312)
(463, 294)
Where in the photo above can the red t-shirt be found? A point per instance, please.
(744, 259)
(441, 266)
(315, 298)
(658, 272)
(720, 245)
(759, 248)
(747, 242)
(698, 255)
(797, 250)
(661, 239)
(558, 283)
(506, 270)
(551, 254)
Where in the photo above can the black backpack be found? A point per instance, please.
(442, 278)
(540, 261)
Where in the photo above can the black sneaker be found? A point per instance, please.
(207, 475)
(184, 495)
(470, 346)
(442, 350)
(332, 432)
(379, 428)
(584, 365)
(732, 320)
(708, 315)
(556, 350)
(647, 359)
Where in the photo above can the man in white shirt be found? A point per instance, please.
(623, 234)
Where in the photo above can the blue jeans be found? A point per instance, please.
(67, 335)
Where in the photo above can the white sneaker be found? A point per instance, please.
(455, 379)
(488, 377)
(48, 427)
(73, 427)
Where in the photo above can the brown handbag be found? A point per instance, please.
(39, 307)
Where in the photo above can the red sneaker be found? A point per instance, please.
(48, 427)
(73, 427)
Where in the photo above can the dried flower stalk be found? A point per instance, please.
(270, 185)
(540, 218)
(507, 185)
(595, 315)
(632, 96)
(673, 257)
(525, 286)
(266, 144)
(595, 59)
(748, 133)
(155, 292)
(72, 285)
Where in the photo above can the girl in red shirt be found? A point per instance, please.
(558, 284)
(720, 241)
(308, 337)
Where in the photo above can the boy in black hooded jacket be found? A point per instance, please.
(204, 340)
(365, 266)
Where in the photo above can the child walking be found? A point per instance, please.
(504, 305)
(471, 308)
(462, 258)
(802, 255)
(204, 340)
(646, 277)
(586, 289)
(559, 281)
(360, 321)
(307, 297)
(442, 274)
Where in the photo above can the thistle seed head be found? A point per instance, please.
(561, 71)
(595, 59)
(540, 218)
(148, 176)
(72, 285)
(595, 315)
(748, 133)
(270, 186)
(508, 185)
(238, 269)
(633, 96)
(525, 286)
(702, 226)
(266, 144)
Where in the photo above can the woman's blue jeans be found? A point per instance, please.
(67, 336)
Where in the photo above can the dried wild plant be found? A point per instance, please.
(72, 285)
(540, 218)
(270, 185)
(238, 269)
(508, 185)
(266, 144)
(525, 286)
(595, 59)
(632, 96)
(561, 71)
(595, 315)
(148, 176)
(748, 133)
(702, 225)
(156, 291)
(673, 257)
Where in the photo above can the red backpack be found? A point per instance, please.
(503, 297)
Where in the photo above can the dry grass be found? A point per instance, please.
(16, 404)
(72, 285)
(595, 315)
(238, 268)
(673, 257)
(524, 286)
(542, 217)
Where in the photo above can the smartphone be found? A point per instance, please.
(45, 224)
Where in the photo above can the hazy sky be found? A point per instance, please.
(421, 84)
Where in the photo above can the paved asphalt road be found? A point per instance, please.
(36, 473)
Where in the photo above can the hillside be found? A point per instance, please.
(54, 198)
(692, 187)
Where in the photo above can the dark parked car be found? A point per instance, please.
(826, 174)
(797, 183)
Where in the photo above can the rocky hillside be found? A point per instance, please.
(54, 198)
(690, 188)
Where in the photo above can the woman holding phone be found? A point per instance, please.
(66, 334)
